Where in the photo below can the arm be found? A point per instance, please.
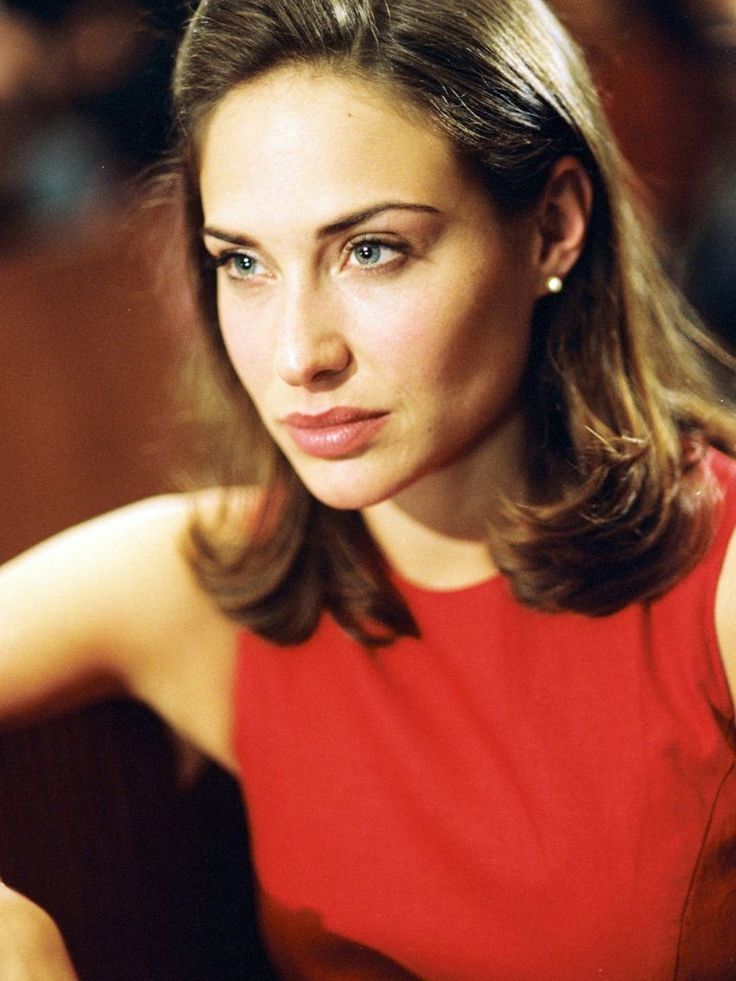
(726, 614)
(31, 947)
(110, 607)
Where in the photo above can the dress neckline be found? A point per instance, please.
(409, 588)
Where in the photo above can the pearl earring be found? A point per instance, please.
(553, 284)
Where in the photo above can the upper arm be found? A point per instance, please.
(726, 614)
(30, 943)
(110, 607)
(57, 611)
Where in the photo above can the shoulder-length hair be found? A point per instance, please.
(620, 407)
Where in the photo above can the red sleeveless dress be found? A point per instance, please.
(516, 795)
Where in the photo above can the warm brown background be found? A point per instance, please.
(88, 353)
(146, 873)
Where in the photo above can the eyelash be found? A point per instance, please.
(222, 260)
(400, 248)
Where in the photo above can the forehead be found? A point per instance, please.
(316, 139)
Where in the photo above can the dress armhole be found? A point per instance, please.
(723, 469)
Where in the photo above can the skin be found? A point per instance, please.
(29, 935)
(436, 337)
(430, 327)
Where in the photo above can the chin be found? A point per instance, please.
(345, 492)
(345, 500)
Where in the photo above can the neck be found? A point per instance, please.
(434, 532)
(424, 555)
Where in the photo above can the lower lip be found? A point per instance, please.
(333, 442)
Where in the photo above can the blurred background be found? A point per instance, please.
(89, 331)
(142, 858)
(135, 846)
(666, 70)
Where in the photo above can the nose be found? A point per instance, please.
(311, 346)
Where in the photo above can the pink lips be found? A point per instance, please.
(339, 432)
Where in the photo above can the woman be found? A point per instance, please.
(467, 642)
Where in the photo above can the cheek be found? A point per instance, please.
(461, 338)
(245, 347)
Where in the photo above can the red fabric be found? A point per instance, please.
(514, 796)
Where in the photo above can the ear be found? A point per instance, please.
(562, 217)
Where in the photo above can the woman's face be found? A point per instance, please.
(373, 304)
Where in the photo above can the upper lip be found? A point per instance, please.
(339, 416)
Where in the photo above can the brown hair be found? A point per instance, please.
(620, 406)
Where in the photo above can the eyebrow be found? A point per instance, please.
(341, 225)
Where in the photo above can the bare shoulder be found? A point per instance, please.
(112, 605)
(726, 613)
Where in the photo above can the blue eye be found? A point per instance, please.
(374, 253)
(368, 253)
(242, 264)
(237, 265)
